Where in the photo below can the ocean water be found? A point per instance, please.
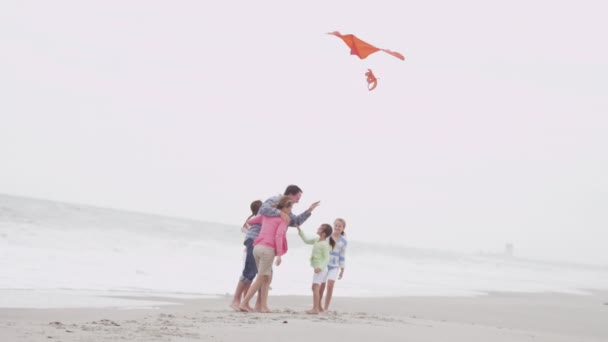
(48, 246)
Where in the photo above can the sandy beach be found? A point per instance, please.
(496, 317)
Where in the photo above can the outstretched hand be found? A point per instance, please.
(313, 206)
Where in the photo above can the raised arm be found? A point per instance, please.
(298, 220)
(305, 239)
(267, 208)
(255, 220)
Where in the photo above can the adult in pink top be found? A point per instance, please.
(272, 234)
(271, 243)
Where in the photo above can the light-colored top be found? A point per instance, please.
(337, 256)
(272, 233)
(320, 251)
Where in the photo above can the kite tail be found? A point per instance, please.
(394, 53)
(372, 81)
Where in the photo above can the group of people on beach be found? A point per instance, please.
(266, 242)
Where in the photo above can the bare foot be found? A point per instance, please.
(266, 310)
(245, 308)
(257, 308)
(235, 306)
(312, 312)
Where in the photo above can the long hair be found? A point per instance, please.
(255, 207)
(327, 230)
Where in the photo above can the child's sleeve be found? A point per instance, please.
(255, 220)
(305, 239)
(343, 255)
(267, 208)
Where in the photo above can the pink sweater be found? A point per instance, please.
(272, 233)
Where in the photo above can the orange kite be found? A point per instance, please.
(362, 49)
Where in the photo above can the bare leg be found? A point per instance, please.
(246, 289)
(258, 301)
(330, 292)
(259, 305)
(244, 306)
(241, 290)
(315, 300)
(321, 290)
(264, 292)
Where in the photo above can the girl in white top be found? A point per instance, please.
(337, 262)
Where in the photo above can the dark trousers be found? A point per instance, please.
(250, 270)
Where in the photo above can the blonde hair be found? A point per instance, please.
(284, 202)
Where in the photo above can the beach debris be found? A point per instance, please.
(106, 322)
(57, 325)
(284, 322)
(362, 50)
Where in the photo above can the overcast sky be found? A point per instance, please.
(493, 129)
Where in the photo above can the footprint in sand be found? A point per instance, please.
(57, 325)
(106, 322)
